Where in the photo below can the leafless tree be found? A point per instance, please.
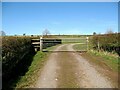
(109, 31)
(46, 32)
(2, 33)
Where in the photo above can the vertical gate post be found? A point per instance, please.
(98, 46)
(41, 42)
(87, 42)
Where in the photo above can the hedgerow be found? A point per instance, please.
(107, 42)
(14, 49)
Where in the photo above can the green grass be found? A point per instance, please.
(74, 40)
(31, 76)
(109, 59)
(80, 47)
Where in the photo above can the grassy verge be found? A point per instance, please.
(107, 62)
(31, 76)
(111, 60)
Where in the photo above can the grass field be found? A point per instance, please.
(74, 40)
(80, 47)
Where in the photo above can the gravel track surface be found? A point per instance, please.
(70, 70)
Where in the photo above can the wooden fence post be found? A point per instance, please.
(41, 42)
(98, 46)
(87, 42)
